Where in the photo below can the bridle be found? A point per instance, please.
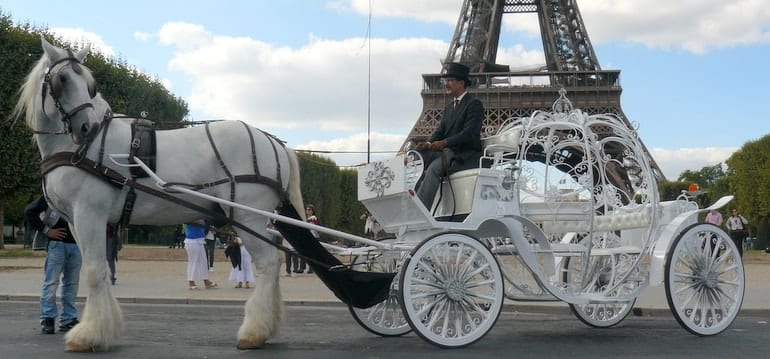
(52, 85)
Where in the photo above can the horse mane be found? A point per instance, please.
(29, 90)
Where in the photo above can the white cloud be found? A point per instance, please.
(674, 162)
(322, 86)
(143, 36)
(77, 35)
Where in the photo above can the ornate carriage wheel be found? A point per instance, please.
(598, 315)
(384, 318)
(705, 280)
(452, 290)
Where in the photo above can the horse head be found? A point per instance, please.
(60, 87)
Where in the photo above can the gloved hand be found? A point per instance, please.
(438, 146)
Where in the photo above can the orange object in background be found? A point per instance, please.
(693, 187)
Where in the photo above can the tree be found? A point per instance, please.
(128, 90)
(748, 177)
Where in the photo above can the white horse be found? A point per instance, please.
(58, 98)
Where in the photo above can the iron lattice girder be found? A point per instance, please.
(565, 39)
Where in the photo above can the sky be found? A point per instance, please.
(327, 75)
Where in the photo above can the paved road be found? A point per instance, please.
(208, 331)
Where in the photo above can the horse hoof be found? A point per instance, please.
(245, 344)
(79, 347)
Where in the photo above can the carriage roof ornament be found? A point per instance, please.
(562, 104)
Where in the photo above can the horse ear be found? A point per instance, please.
(81, 55)
(50, 50)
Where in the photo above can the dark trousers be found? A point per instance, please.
(294, 262)
(737, 237)
(210, 246)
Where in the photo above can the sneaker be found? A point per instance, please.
(47, 325)
(68, 326)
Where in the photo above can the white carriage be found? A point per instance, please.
(563, 207)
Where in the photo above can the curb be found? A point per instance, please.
(554, 309)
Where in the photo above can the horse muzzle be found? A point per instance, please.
(87, 130)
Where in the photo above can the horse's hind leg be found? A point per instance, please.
(101, 320)
(264, 309)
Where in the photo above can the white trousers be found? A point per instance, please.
(197, 265)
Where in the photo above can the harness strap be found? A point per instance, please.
(114, 177)
(224, 167)
(106, 121)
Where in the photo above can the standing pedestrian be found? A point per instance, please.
(714, 217)
(737, 226)
(211, 245)
(197, 265)
(311, 218)
(62, 262)
(242, 272)
(372, 228)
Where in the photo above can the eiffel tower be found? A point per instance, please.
(571, 64)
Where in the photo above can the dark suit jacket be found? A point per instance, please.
(461, 129)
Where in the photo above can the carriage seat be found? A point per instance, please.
(572, 217)
(505, 141)
(456, 194)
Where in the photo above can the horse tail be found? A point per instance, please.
(294, 190)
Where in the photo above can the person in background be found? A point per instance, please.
(62, 262)
(714, 217)
(242, 272)
(178, 240)
(737, 227)
(311, 218)
(456, 144)
(197, 265)
(371, 227)
(113, 247)
(211, 245)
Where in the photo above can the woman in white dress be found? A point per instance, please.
(242, 272)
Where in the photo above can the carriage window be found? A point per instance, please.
(539, 182)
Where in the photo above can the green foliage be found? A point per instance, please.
(748, 177)
(332, 191)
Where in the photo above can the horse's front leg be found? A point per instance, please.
(102, 319)
(264, 309)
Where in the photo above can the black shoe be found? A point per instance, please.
(113, 280)
(68, 326)
(48, 325)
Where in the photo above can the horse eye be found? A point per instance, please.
(62, 78)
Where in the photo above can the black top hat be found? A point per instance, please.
(458, 71)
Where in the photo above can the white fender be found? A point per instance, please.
(667, 235)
